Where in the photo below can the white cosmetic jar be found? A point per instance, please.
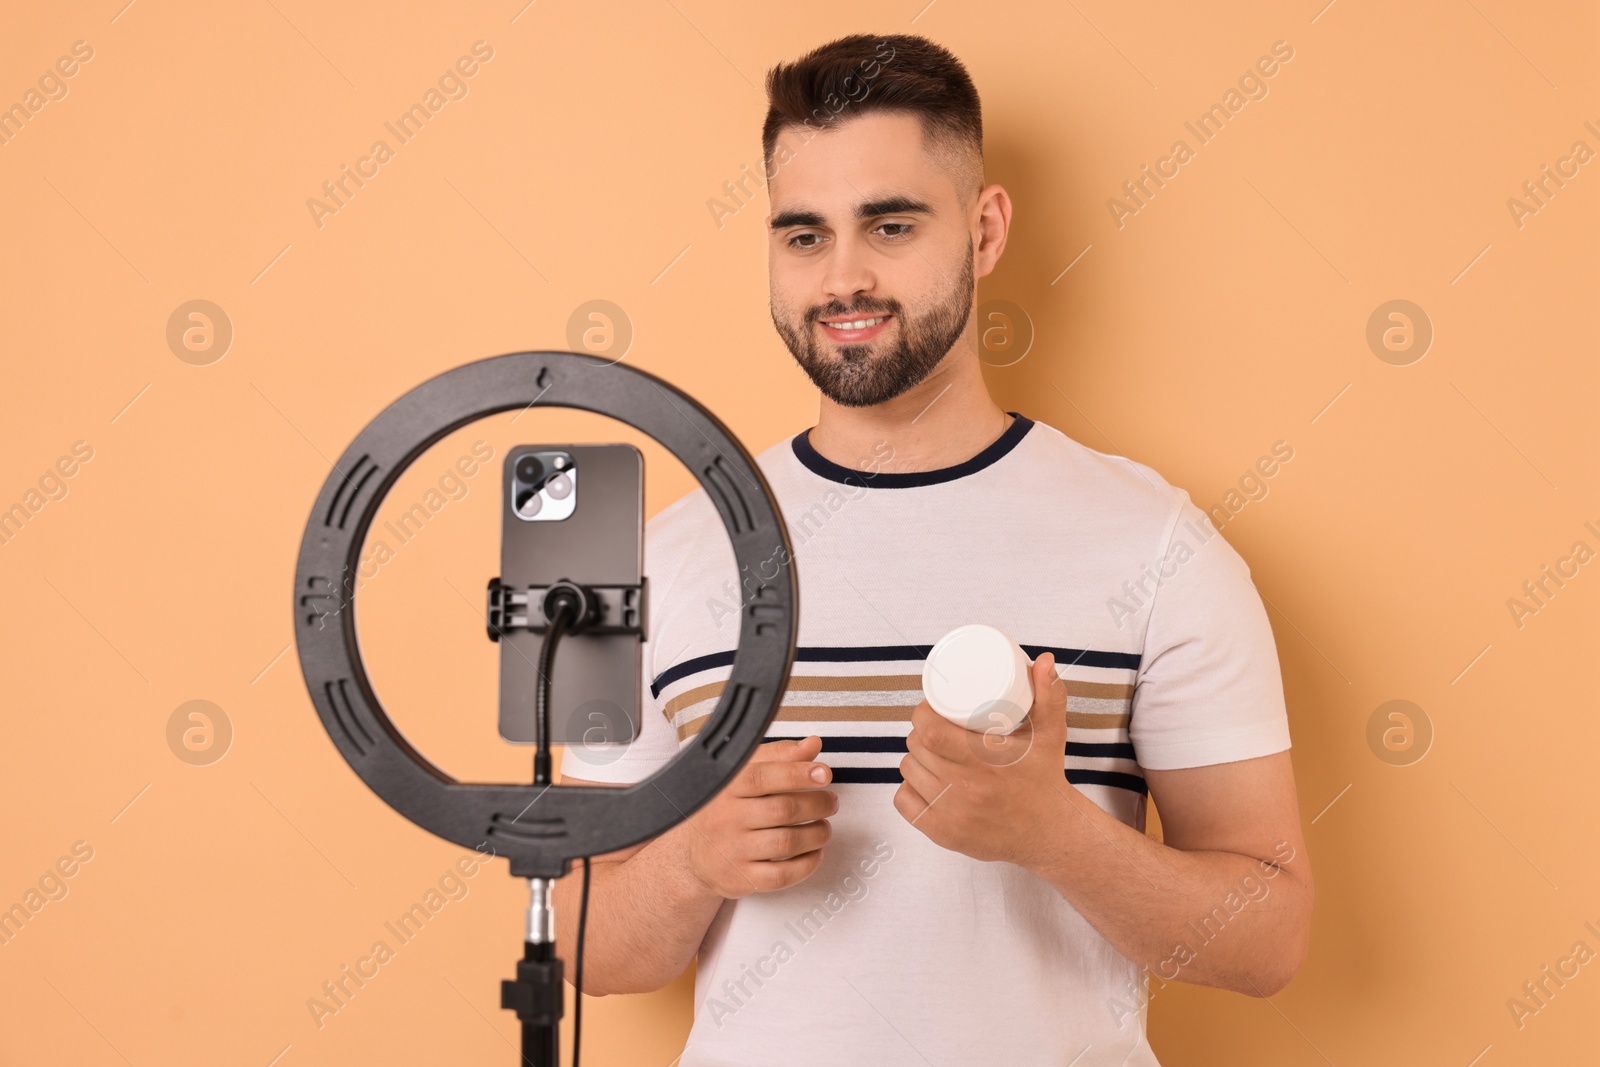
(977, 677)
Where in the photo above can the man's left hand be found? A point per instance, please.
(991, 796)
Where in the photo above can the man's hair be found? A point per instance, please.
(859, 74)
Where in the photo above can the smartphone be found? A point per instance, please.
(572, 512)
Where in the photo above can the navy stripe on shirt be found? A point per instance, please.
(873, 653)
(893, 744)
(1076, 775)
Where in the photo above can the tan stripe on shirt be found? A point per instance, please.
(1104, 698)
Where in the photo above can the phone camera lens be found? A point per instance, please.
(529, 469)
(529, 503)
(558, 486)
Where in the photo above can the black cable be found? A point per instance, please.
(561, 613)
(577, 981)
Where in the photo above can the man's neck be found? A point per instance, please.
(946, 419)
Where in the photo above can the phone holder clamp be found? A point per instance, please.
(602, 609)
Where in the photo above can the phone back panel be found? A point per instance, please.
(595, 683)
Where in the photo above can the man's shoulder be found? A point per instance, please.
(1112, 482)
(693, 517)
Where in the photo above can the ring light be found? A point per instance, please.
(568, 821)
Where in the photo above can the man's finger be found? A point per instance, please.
(787, 770)
(937, 735)
(935, 726)
(920, 779)
(909, 803)
(788, 749)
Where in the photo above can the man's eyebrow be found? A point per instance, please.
(870, 209)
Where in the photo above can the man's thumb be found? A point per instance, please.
(1049, 692)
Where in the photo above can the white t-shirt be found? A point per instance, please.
(897, 950)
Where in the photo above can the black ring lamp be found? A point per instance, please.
(541, 829)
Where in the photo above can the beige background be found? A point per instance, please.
(1229, 313)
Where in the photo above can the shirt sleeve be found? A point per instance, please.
(1209, 688)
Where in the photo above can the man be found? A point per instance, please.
(879, 885)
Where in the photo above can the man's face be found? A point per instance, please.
(865, 225)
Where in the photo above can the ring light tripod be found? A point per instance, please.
(570, 821)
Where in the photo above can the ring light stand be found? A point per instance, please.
(570, 821)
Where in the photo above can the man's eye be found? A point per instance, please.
(902, 232)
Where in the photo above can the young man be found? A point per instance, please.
(879, 885)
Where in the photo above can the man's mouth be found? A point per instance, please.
(854, 329)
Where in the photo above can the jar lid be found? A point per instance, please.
(970, 667)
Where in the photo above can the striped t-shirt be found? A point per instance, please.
(897, 950)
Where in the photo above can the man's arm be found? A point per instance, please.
(1226, 899)
(652, 910)
(650, 905)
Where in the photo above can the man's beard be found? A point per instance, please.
(857, 378)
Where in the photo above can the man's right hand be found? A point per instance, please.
(766, 829)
